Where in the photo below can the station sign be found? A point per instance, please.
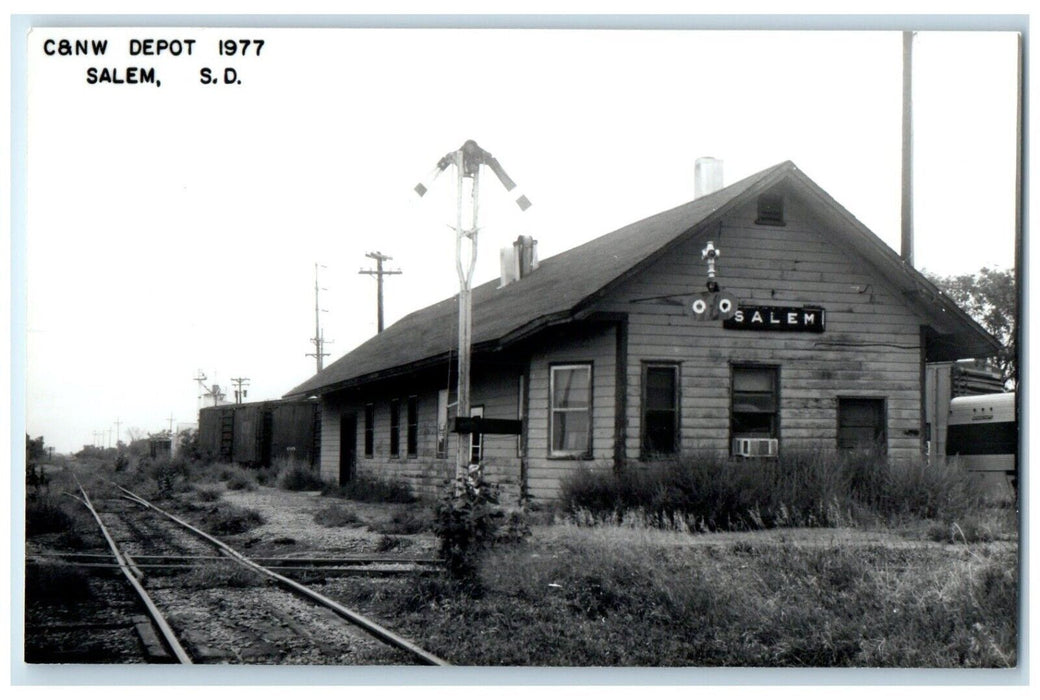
(805, 319)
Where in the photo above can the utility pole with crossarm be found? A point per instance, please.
(379, 273)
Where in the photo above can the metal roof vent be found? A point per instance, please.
(519, 260)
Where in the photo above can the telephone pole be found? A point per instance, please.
(906, 248)
(319, 334)
(118, 423)
(378, 273)
(240, 392)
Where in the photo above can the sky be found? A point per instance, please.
(175, 229)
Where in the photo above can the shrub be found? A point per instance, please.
(300, 477)
(239, 478)
(229, 519)
(165, 476)
(336, 515)
(222, 575)
(708, 492)
(468, 520)
(405, 521)
(208, 493)
(800, 488)
(930, 490)
(373, 489)
(388, 543)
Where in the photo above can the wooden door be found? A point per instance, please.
(347, 447)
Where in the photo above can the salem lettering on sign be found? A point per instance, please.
(806, 319)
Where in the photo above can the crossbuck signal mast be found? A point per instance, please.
(467, 161)
(379, 273)
(319, 334)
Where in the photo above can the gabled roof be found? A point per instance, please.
(570, 282)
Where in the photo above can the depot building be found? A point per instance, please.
(598, 357)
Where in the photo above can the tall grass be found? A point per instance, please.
(597, 599)
(372, 489)
(800, 488)
(297, 476)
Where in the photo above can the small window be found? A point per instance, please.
(570, 398)
(413, 426)
(370, 429)
(442, 423)
(395, 427)
(755, 406)
(660, 409)
(861, 424)
(770, 210)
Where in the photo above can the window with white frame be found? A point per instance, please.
(756, 406)
(570, 408)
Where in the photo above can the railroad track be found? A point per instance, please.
(208, 603)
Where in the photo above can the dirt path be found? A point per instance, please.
(289, 524)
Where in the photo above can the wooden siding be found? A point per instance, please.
(493, 388)
(870, 348)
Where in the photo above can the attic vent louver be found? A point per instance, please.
(770, 210)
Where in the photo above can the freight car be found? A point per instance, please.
(258, 434)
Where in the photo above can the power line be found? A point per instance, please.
(379, 273)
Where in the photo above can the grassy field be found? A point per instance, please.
(607, 596)
(905, 592)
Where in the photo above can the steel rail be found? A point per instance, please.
(153, 612)
(373, 628)
(139, 568)
(294, 562)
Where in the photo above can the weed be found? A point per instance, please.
(208, 493)
(372, 489)
(336, 515)
(388, 543)
(221, 575)
(467, 521)
(300, 477)
(239, 478)
(228, 519)
(814, 488)
(409, 520)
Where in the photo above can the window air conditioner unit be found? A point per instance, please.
(755, 447)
